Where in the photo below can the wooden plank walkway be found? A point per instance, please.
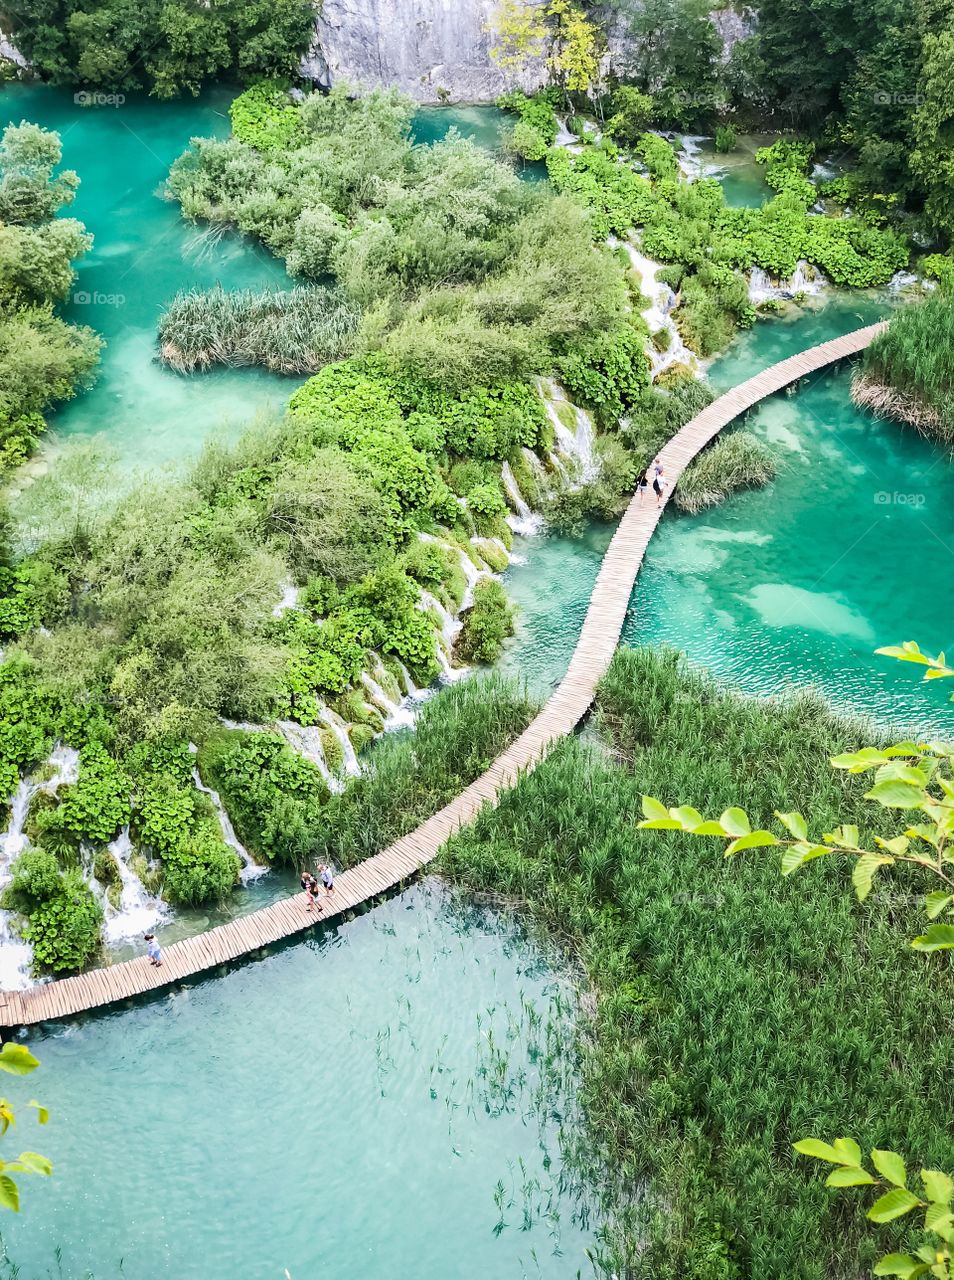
(560, 715)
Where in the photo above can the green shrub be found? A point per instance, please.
(486, 624)
(36, 876)
(201, 868)
(632, 114)
(657, 155)
(264, 116)
(908, 371)
(734, 462)
(63, 918)
(726, 138)
(97, 804)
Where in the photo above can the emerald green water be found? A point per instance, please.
(348, 1107)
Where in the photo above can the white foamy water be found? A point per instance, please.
(334, 722)
(306, 740)
(251, 869)
(522, 519)
(396, 716)
(658, 315)
(580, 444)
(806, 279)
(138, 912)
(288, 601)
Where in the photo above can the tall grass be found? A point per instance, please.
(908, 371)
(733, 462)
(291, 331)
(736, 1011)
(410, 776)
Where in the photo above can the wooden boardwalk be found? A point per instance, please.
(566, 707)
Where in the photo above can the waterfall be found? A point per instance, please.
(449, 625)
(691, 162)
(16, 956)
(306, 740)
(395, 716)
(138, 911)
(658, 315)
(250, 868)
(578, 444)
(340, 730)
(523, 520)
(805, 279)
(288, 601)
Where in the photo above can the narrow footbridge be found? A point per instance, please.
(566, 707)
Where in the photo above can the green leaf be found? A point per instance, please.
(9, 1193)
(895, 794)
(689, 818)
(899, 1264)
(937, 1218)
(849, 1176)
(17, 1059)
(890, 1165)
(849, 1149)
(42, 1114)
(794, 823)
(893, 1204)
(710, 828)
(754, 840)
(654, 808)
(735, 822)
(938, 1185)
(937, 937)
(33, 1162)
(859, 761)
(863, 872)
(824, 1151)
(936, 902)
(792, 859)
(660, 824)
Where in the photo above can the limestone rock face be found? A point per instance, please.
(433, 50)
(733, 27)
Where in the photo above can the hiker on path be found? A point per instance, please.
(309, 887)
(643, 484)
(153, 950)
(327, 878)
(660, 484)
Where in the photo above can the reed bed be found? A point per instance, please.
(908, 371)
(289, 331)
(736, 1011)
(409, 776)
(733, 462)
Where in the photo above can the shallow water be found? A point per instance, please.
(332, 1109)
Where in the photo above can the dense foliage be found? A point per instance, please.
(908, 371)
(169, 47)
(466, 275)
(733, 1015)
(42, 358)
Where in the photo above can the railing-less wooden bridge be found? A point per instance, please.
(376, 875)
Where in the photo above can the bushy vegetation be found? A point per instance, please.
(290, 331)
(908, 371)
(63, 918)
(486, 624)
(467, 276)
(536, 129)
(409, 777)
(169, 47)
(734, 1011)
(42, 358)
(691, 226)
(735, 461)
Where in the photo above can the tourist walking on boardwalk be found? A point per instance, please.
(153, 949)
(643, 484)
(657, 465)
(309, 887)
(327, 878)
(659, 486)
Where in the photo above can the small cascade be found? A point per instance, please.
(288, 601)
(448, 623)
(250, 868)
(395, 716)
(16, 956)
(410, 688)
(245, 725)
(306, 740)
(805, 280)
(449, 674)
(536, 466)
(523, 520)
(905, 280)
(689, 156)
(138, 911)
(338, 727)
(658, 315)
(578, 444)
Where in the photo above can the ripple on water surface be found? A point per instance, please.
(334, 1103)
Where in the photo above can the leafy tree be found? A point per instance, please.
(572, 44)
(29, 190)
(932, 160)
(675, 47)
